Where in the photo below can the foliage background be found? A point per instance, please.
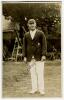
(47, 16)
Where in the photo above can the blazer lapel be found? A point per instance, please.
(35, 36)
(29, 36)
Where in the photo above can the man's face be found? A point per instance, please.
(32, 26)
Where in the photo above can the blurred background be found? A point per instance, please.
(15, 17)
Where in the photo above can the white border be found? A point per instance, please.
(33, 0)
(0, 51)
(62, 48)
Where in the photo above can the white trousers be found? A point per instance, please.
(37, 76)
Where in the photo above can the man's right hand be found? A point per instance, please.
(25, 59)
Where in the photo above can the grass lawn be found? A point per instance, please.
(17, 83)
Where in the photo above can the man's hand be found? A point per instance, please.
(25, 59)
(43, 58)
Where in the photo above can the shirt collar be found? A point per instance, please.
(33, 31)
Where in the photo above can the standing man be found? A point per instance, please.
(34, 52)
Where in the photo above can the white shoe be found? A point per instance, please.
(42, 93)
(32, 92)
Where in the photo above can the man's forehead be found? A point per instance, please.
(31, 21)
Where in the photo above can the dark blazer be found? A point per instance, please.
(36, 47)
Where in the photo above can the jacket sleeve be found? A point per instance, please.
(24, 47)
(44, 45)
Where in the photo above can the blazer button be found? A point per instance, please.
(32, 57)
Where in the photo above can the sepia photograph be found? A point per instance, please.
(31, 55)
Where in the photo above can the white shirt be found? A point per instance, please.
(32, 33)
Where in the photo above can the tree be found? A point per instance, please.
(47, 16)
